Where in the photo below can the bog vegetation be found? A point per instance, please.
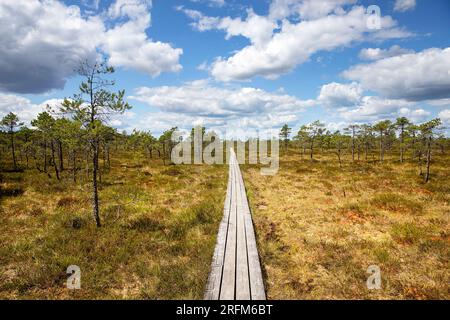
(74, 190)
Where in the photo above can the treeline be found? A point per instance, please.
(54, 145)
(414, 142)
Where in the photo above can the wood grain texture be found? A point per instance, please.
(235, 269)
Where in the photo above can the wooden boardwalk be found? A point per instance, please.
(235, 270)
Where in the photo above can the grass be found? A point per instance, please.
(157, 239)
(319, 227)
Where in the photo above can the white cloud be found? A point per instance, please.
(212, 3)
(28, 111)
(377, 53)
(440, 102)
(240, 127)
(417, 115)
(23, 107)
(256, 28)
(305, 9)
(203, 99)
(202, 22)
(444, 115)
(42, 42)
(346, 101)
(218, 107)
(416, 76)
(404, 5)
(374, 108)
(271, 54)
(128, 45)
(337, 94)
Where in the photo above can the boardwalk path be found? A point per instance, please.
(235, 270)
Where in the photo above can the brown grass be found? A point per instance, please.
(157, 239)
(319, 228)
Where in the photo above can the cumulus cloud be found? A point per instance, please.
(256, 28)
(338, 94)
(404, 5)
(23, 107)
(375, 108)
(240, 127)
(203, 99)
(444, 115)
(377, 53)
(305, 9)
(212, 3)
(416, 76)
(128, 45)
(417, 115)
(28, 111)
(42, 42)
(219, 107)
(278, 46)
(347, 101)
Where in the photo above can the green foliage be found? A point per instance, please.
(10, 122)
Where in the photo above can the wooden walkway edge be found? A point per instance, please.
(235, 269)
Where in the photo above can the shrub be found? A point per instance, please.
(407, 233)
(395, 202)
(65, 202)
(172, 171)
(144, 223)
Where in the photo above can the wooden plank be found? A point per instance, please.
(254, 265)
(236, 270)
(215, 277)
(242, 275)
(227, 291)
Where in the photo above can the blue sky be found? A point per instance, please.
(233, 65)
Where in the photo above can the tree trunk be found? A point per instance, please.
(74, 167)
(150, 152)
(13, 148)
(427, 176)
(61, 157)
(45, 155)
(401, 144)
(108, 160)
(53, 160)
(339, 157)
(164, 153)
(27, 158)
(95, 206)
(413, 146)
(381, 147)
(353, 145)
(419, 161)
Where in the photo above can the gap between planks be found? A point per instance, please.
(235, 269)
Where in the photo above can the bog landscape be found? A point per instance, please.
(230, 186)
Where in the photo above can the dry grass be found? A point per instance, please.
(160, 225)
(319, 227)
